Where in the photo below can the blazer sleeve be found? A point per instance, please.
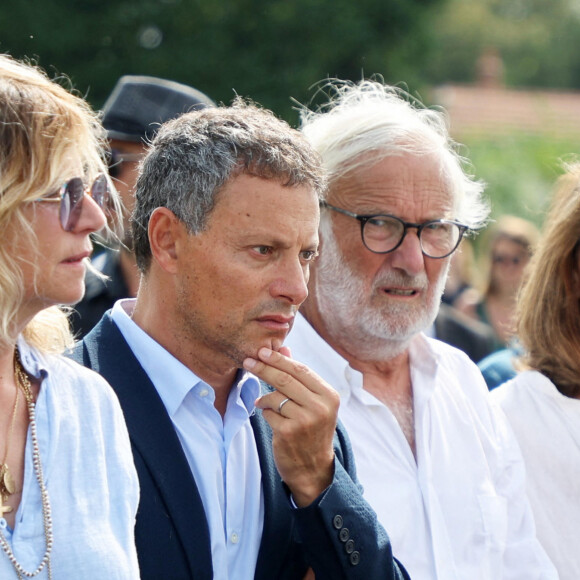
(340, 532)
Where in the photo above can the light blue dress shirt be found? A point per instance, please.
(222, 455)
(88, 472)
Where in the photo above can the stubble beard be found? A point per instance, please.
(370, 327)
(206, 337)
(229, 340)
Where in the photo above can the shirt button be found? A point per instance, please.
(235, 538)
(203, 393)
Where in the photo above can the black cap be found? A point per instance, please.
(138, 106)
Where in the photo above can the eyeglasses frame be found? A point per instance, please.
(62, 190)
(363, 219)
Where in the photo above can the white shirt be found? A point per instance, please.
(222, 455)
(459, 512)
(88, 472)
(547, 425)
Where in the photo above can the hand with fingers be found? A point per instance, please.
(302, 413)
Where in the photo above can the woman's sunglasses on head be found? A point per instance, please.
(71, 194)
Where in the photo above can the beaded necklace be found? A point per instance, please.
(23, 382)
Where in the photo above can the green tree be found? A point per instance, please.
(269, 50)
(537, 41)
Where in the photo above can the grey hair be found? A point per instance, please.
(194, 156)
(363, 123)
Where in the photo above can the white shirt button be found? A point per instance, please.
(235, 538)
(203, 393)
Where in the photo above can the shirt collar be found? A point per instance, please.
(423, 356)
(33, 361)
(331, 365)
(172, 379)
(424, 360)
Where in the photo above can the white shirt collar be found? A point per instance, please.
(423, 358)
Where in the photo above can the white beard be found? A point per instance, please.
(371, 327)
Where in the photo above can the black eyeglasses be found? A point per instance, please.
(71, 194)
(117, 158)
(382, 234)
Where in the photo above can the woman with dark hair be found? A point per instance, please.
(543, 402)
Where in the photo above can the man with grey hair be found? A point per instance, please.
(436, 462)
(234, 485)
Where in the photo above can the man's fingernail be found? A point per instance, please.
(265, 353)
(249, 363)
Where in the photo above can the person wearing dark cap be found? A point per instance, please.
(132, 115)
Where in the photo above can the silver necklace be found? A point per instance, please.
(24, 382)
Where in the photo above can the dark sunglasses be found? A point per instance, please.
(71, 194)
(117, 158)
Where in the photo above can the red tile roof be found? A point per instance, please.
(484, 111)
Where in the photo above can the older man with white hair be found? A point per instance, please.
(438, 464)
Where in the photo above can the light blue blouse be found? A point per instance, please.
(89, 474)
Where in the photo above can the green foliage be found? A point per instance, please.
(520, 171)
(275, 50)
(537, 40)
(269, 50)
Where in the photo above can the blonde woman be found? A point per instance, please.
(543, 402)
(68, 488)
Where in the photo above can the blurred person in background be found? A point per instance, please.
(461, 275)
(68, 486)
(132, 115)
(509, 245)
(475, 338)
(543, 402)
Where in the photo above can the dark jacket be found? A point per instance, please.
(473, 337)
(338, 536)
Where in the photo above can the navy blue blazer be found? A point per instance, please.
(338, 536)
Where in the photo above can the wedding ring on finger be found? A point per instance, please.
(282, 403)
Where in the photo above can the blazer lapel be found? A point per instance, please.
(154, 438)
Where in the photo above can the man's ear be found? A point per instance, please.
(164, 231)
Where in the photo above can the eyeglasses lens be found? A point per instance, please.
(439, 239)
(100, 192)
(383, 234)
(72, 194)
(71, 203)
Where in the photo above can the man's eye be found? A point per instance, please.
(263, 250)
(309, 255)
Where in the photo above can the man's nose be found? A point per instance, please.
(409, 255)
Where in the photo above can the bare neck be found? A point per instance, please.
(7, 366)
(131, 274)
